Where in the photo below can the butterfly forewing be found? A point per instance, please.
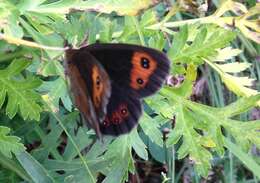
(90, 86)
(133, 67)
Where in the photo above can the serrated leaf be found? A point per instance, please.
(226, 54)
(9, 144)
(177, 132)
(189, 114)
(234, 67)
(236, 84)
(243, 81)
(19, 92)
(204, 45)
(249, 25)
(191, 142)
(237, 107)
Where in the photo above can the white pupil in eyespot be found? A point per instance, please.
(145, 63)
(139, 81)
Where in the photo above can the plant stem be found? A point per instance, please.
(72, 141)
(173, 165)
(17, 41)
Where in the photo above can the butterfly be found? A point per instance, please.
(109, 82)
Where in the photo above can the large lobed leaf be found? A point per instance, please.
(204, 44)
(19, 92)
(191, 117)
(9, 144)
(237, 84)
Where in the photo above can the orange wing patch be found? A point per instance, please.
(143, 67)
(98, 86)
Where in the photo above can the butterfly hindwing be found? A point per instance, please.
(90, 86)
(140, 69)
(123, 112)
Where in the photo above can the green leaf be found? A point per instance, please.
(138, 145)
(226, 54)
(19, 92)
(6, 8)
(95, 165)
(120, 151)
(17, 170)
(150, 128)
(191, 116)
(51, 68)
(77, 29)
(47, 40)
(117, 172)
(204, 45)
(246, 159)
(119, 147)
(191, 144)
(239, 106)
(238, 85)
(34, 169)
(234, 67)
(122, 7)
(82, 140)
(9, 144)
(179, 42)
(9, 13)
(98, 148)
(57, 90)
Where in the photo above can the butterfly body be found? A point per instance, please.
(108, 82)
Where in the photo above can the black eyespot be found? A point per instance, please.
(124, 111)
(140, 81)
(145, 63)
(98, 80)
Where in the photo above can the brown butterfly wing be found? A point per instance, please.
(135, 72)
(123, 112)
(139, 69)
(90, 86)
